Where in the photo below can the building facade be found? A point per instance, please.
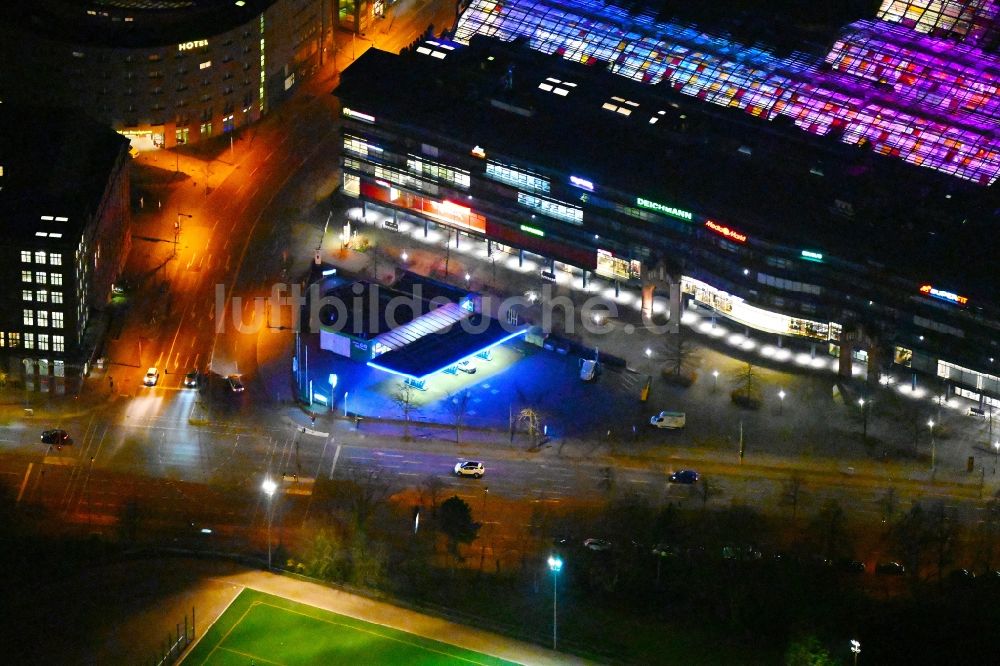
(847, 252)
(161, 74)
(64, 201)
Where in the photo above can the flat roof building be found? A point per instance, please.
(806, 236)
(64, 201)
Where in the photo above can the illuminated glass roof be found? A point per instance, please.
(924, 99)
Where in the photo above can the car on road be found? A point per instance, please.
(467, 367)
(235, 384)
(851, 566)
(470, 468)
(588, 370)
(191, 379)
(57, 437)
(599, 545)
(890, 569)
(152, 376)
(687, 476)
(669, 420)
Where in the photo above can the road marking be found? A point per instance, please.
(336, 455)
(630, 481)
(24, 483)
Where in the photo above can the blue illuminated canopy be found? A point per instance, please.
(444, 349)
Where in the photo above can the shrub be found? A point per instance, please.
(745, 400)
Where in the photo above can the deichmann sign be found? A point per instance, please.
(617, 268)
(666, 210)
(943, 295)
(726, 231)
(187, 46)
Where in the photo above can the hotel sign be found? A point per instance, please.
(666, 210)
(723, 230)
(187, 46)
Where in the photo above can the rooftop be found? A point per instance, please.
(130, 23)
(766, 179)
(53, 164)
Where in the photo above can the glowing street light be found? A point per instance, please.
(864, 418)
(781, 400)
(996, 455)
(715, 380)
(856, 649)
(930, 426)
(405, 257)
(555, 566)
(269, 487)
(649, 352)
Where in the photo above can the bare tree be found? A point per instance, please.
(430, 489)
(680, 354)
(404, 397)
(458, 405)
(532, 424)
(747, 385)
(792, 494)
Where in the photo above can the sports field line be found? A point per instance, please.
(360, 629)
(235, 624)
(194, 646)
(252, 657)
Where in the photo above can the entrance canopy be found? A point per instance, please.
(447, 348)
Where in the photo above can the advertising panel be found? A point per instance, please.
(616, 268)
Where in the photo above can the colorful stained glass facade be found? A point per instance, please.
(910, 84)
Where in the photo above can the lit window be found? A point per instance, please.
(26, 295)
(29, 340)
(26, 256)
(42, 296)
(58, 343)
(39, 257)
(29, 317)
(43, 341)
(3, 339)
(25, 276)
(41, 278)
(56, 279)
(43, 317)
(205, 65)
(55, 259)
(57, 320)
(57, 297)
(14, 339)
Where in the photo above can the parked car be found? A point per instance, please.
(741, 553)
(467, 367)
(235, 384)
(57, 437)
(470, 468)
(961, 577)
(890, 569)
(152, 376)
(599, 545)
(687, 476)
(191, 379)
(588, 370)
(851, 566)
(670, 420)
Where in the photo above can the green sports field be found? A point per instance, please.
(262, 629)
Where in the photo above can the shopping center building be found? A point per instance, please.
(843, 203)
(162, 73)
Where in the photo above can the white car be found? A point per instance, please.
(671, 420)
(152, 376)
(470, 468)
(588, 370)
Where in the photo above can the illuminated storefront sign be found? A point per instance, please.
(943, 295)
(666, 210)
(617, 268)
(809, 255)
(726, 231)
(532, 230)
(739, 311)
(479, 152)
(187, 46)
(357, 115)
(582, 183)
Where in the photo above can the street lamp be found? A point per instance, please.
(930, 426)
(864, 418)
(555, 566)
(856, 649)
(269, 487)
(715, 380)
(405, 257)
(996, 455)
(781, 399)
(649, 352)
